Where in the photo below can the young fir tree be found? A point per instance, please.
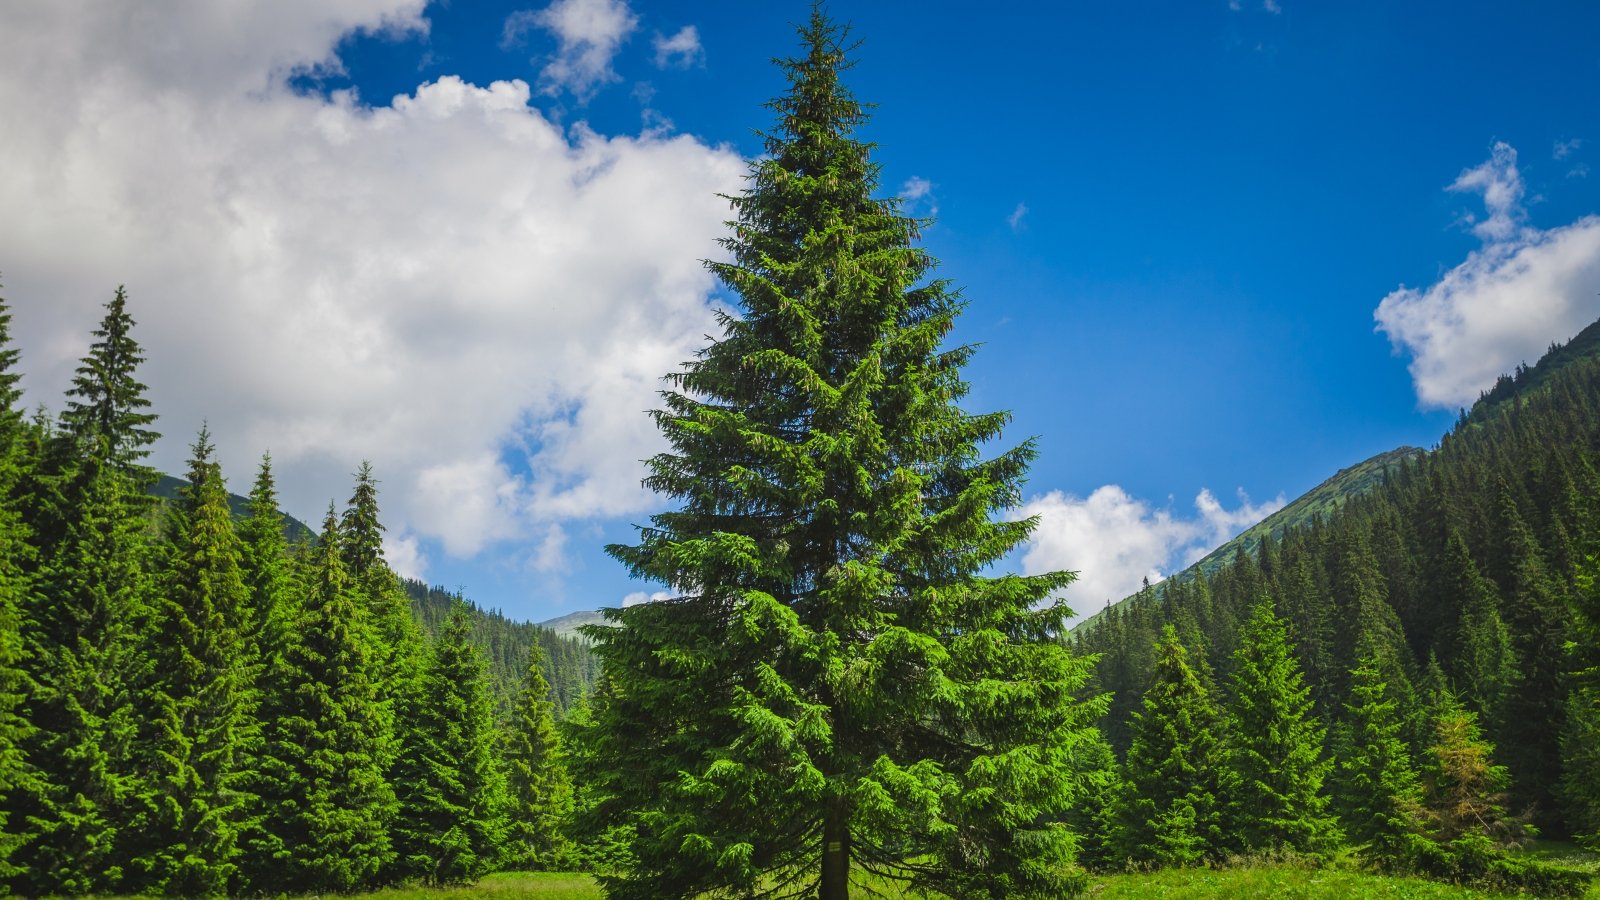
(89, 520)
(835, 683)
(1482, 657)
(107, 403)
(328, 818)
(399, 654)
(276, 615)
(1383, 808)
(1278, 803)
(450, 784)
(1580, 744)
(1175, 778)
(198, 705)
(1466, 790)
(15, 684)
(539, 787)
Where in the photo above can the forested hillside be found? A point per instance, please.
(568, 665)
(1465, 576)
(193, 704)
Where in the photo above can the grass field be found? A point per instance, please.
(1262, 881)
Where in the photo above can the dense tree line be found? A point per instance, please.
(192, 703)
(567, 664)
(1446, 617)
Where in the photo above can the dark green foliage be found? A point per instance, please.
(197, 704)
(1382, 799)
(568, 665)
(1580, 785)
(15, 684)
(539, 787)
(834, 682)
(449, 782)
(1091, 815)
(89, 580)
(1278, 804)
(330, 817)
(1484, 662)
(106, 400)
(1176, 777)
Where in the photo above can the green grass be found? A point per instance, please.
(1268, 882)
(1280, 881)
(507, 885)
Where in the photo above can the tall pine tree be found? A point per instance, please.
(1176, 777)
(89, 599)
(450, 784)
(199, 703)
(329, 822)
(15, 683)
(1278, 802)
(539, 787)
(834, 683)
(1384, 815)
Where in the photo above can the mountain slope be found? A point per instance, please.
(1319, 502)
(1457, 574)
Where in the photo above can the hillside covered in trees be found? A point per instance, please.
(1461, 587)
(839, 691)
(199, 696)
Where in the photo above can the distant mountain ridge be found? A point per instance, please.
(1320, 501)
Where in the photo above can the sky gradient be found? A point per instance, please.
(1213, 251)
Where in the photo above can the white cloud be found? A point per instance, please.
(1271, 6)
(680, 51)
(1564, 149)
(1505, 304)
(1016, 217)
(405, 556)
(588, 32)
(917, 197)
(1114, 540)
(638, 597)
(450, 285)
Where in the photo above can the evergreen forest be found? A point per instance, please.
(845, 689)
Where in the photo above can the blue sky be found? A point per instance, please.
(1210, 247)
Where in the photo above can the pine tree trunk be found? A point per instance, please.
(835, 853)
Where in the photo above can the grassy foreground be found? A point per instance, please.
(1263, 881)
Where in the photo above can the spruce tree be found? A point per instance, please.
(835, 683)
(539, 787)
(1278, 803)
(198, 705)
(329, 822)
(1175, 778)
(273, 761)
(1383, 809)
(15, 683)
(450, 784)
(399, 655)
(1466, 790)
(106, 400)
(89, 601)
(1580, 744)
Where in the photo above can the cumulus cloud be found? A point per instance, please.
(638, 597)
(448, 284)
(917, 196)
(1114, 540)
(588, 35)
(1506, 303)
(681, 50)
(1564, 149)
(1015, 220)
